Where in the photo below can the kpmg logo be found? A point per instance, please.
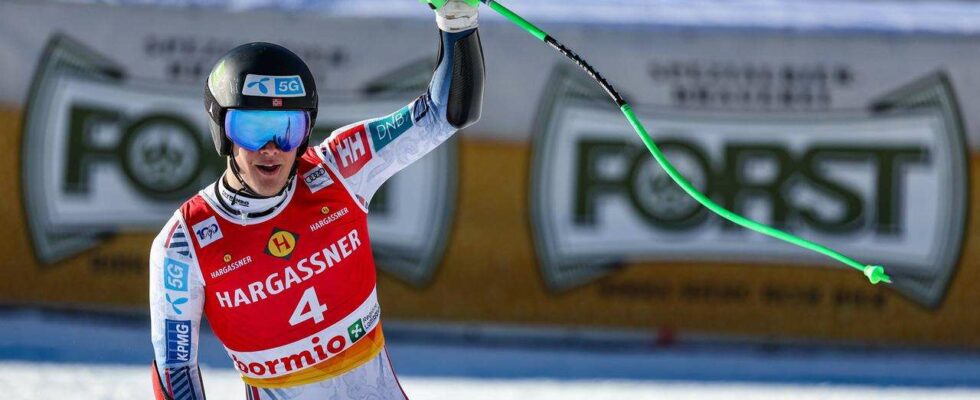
(207, 231)
(175, 275)
(852, 181)
(273, 86)
(178, 341)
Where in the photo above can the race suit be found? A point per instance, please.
(288, 283)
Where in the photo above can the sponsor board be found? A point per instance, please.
(887, 185)
(491, 268)
(105, 153)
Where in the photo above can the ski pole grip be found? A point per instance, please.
(437, 4)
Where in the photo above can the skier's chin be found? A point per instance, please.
(268, 182)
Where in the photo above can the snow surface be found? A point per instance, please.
(948, 17)
(43, 381)
(46, 355)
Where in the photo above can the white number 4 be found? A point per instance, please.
(315, 312)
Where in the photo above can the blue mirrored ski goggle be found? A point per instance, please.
(253, 129)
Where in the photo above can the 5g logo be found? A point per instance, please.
(291, 86)
(282, 86)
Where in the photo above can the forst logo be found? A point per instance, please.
(853, 182)
(655, 199)
(351, 150)
(160, 154)
(94, 148)
(281, 244)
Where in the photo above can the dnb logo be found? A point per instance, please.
(387, 129)
(281, 243)
(351, 150)
(888, 186)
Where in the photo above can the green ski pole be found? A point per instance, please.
(875, 273)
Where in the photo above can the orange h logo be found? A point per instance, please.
(281, 243)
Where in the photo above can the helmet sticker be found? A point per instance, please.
(273, 86)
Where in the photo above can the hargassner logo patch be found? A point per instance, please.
(207, 232)
(273, 86)
(317, 179)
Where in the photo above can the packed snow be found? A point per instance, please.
(45, 355)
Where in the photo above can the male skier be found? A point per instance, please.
(276, 253)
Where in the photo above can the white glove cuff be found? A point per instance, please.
(457, 17)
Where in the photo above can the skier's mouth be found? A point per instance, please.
(268, 169)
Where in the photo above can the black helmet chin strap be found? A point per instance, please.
(236, 171)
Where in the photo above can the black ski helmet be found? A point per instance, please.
(257, 75)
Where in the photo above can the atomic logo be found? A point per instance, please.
(281, 244)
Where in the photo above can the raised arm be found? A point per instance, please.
(176, 304)
(369, 152)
